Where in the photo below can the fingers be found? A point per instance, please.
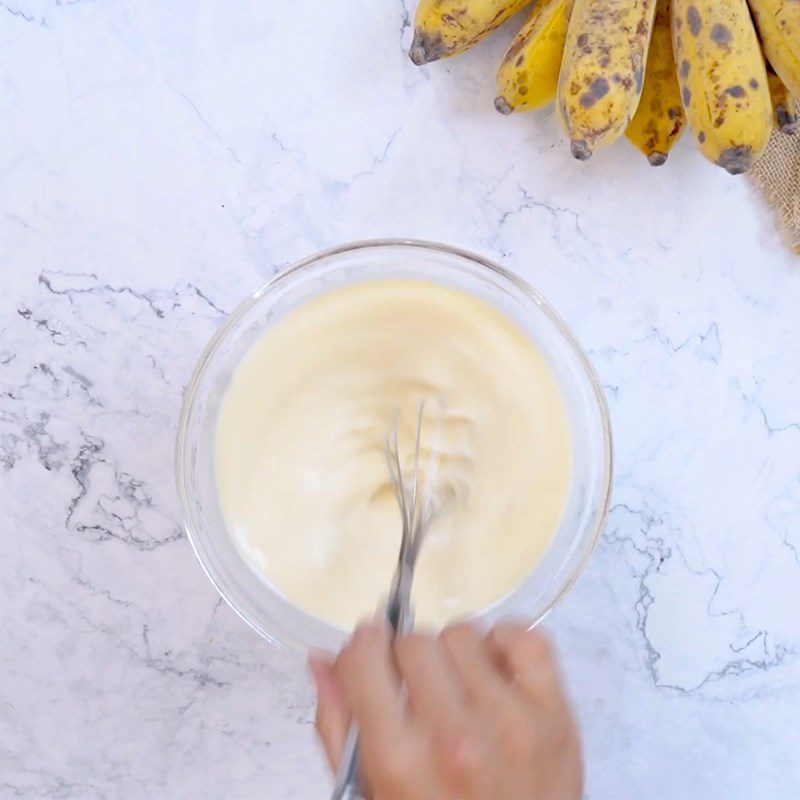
(457, 714)
(468, 653)
(527, 659)
(333, 714)
(365, 668)
(435, 690)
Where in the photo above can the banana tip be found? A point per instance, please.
(657, 159)
(580, 149)
(427, 47)
(736, 160)
(503, 106)
(417, 55)
(788, 123)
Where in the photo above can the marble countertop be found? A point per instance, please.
(159, 162)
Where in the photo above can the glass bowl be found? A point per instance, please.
(274, 616)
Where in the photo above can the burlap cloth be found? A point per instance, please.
(777, 175)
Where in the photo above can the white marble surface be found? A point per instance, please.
(161, 160)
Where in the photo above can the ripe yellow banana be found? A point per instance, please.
(528, 75)
(658, 121)
(778, 23)
(785, 111)
(445, 27)
(723, 80)
(603, 70)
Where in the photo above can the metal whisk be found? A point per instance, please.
(417, 507)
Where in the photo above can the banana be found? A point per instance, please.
(603, 69)
(785, 112)
(778, 22)
(789, 117)
(723, 80)
(658, 121)
(445, 27)
(528, 75)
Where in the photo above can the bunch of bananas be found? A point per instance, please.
(730, 68)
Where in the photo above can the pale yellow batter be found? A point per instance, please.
(300, 449)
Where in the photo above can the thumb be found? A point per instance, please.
(333, 714)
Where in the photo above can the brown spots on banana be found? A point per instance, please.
(517, 46)
(582, 149)
(778, 24)
(736, 91)
(658, 120)
(684, 69)
(694, 20)
(606, 52)
(455, 18)
(498, 19)
(597, 90)
(721, 35)
(625, 82)
(444, 28)
(527, 77)
(785, 108)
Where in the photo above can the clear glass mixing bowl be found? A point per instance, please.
(274, 616)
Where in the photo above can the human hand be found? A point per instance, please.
(483, 717)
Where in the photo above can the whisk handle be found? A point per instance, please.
(348, 785)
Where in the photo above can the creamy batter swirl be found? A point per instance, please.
(300, 456)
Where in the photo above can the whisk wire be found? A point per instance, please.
(396, 478)
(415, 520)
(415, 485)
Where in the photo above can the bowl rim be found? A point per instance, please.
(281, 277)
